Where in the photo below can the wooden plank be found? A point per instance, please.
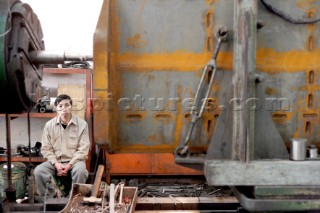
(24, 159)
(77, 92)
(262, 173)
(32, 115)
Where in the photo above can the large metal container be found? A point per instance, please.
(149, 56)
(18, 178)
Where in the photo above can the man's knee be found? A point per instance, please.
(83, 174)
(43, 169)
(79, 172)
(37, 171)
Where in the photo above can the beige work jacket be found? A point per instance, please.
(68, 145)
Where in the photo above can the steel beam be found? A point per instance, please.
(244, 63)
(276, 204)
(262, 173)
(286, 191)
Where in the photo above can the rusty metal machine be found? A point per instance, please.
(257, 96)
(22, 56)
(228, 89)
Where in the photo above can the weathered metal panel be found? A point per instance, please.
(146, 164)
(149, 26)
(159, 48)
(156, 51)
(287, 54)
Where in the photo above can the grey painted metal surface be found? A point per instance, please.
(146, 29)
(157, 27)
(153, 28)
(262, 173)
(281, 36)
(162, 25)
(158, 32)
(283, 204)
(279, 191)
(286, 56)
(268, 143)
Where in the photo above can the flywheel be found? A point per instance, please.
(20, 79)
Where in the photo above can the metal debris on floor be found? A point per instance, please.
(182, 190)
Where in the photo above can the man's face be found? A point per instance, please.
(64, 107)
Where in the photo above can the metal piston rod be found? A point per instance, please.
(196, 114)
(55, 57)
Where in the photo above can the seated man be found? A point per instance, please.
(65, 146)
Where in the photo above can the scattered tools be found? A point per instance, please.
(25, 151)
(96, 186)
(182, 190)
(114, 199)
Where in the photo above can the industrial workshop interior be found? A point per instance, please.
(182, 106)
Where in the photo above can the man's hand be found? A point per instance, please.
(60, 168)
(66, 169)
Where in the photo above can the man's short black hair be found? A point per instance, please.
(61, 98)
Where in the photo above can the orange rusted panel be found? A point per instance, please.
(164, 164)
(130, 163)
(101, 73)
(146, 164)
